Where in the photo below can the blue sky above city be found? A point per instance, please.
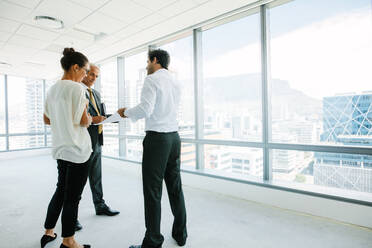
(321, 48)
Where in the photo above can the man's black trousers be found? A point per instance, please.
(161, 161)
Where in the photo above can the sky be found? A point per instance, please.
(321, 49)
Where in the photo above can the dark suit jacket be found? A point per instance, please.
(93, 129)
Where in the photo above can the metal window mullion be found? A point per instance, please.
(121, 103)
(322, 148)
(264, 28)
(26, 134)
(6, 112)
(198, 97)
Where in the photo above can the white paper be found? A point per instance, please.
(113, 118)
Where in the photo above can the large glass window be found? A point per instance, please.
(2, 144)
(134, 149)
(232, 80)
(321, 57)
(181, 65)
(233, 161)
(188, 156)
(338, 171)
(2, 104)
(109, 96)
(48, 84)
(111, 147)
(109, 92)
(25, 101)
(320, 90)
(134, 74)
(24, 142)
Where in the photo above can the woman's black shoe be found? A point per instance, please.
(46, 239)
(63, 246)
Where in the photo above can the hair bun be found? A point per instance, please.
(67, 51)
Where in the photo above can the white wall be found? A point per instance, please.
(317, 206)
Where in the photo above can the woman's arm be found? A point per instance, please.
(86, 119)
(46, 120)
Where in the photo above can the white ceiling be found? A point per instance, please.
(35, 51)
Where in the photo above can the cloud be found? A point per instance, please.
(320, 59)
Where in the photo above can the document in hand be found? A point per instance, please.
(113, 118)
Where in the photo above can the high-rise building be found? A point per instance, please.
(34, 109)
(347, 120)
(346, 115)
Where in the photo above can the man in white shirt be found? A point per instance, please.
(160, 99)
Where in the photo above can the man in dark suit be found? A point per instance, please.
(96, 110)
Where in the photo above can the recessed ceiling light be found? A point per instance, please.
(5, 64)
(49, 22)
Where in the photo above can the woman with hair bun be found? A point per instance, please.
(66, 113)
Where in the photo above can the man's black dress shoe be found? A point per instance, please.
(180, 242)
(63, 246)
(106, 210)
(46, 239)
(78, 226)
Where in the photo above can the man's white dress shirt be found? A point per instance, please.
(159, 104)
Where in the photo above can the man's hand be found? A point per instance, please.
(121, 112)
(98, 119)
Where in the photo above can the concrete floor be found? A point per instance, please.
(26, 185)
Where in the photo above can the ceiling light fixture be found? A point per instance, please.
(49, 22)
(2, 63)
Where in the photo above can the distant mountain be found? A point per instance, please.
(247, 87)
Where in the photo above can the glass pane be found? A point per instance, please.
(24, 142)
(49, 140)
(2, 104)
(2, 144)
(111, 147)
(321, 57)
(109, 93)
(232, 161)
(333, 170)
(188, 156)
(135, 73)
(48, 84)
(134, 149)
(25, 98)
(232, 80)
(181, 65)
